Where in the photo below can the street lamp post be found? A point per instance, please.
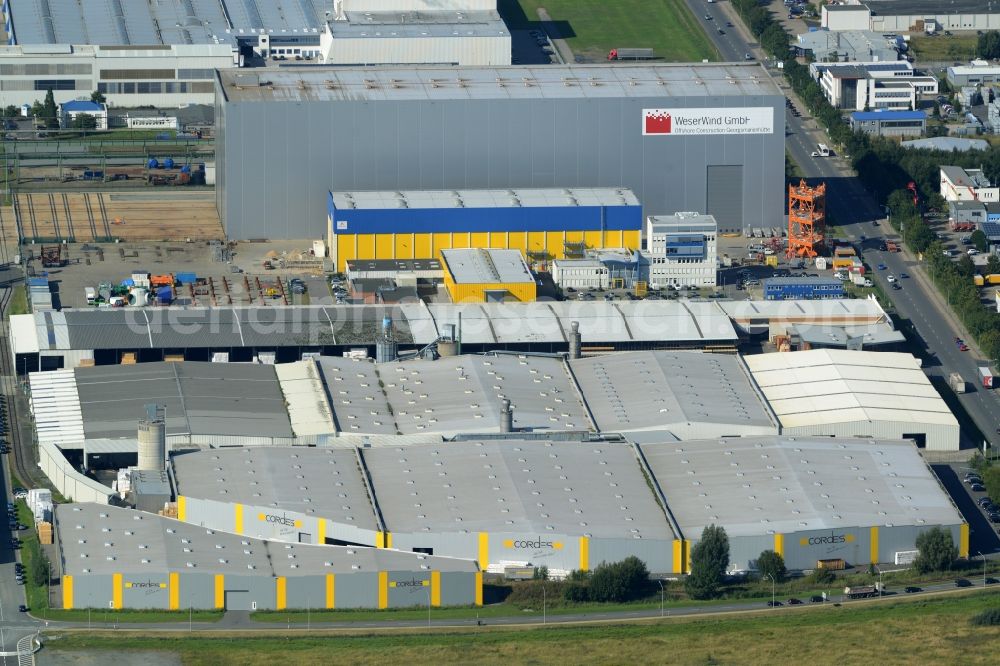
(879, 569)
(543, 604)
(661, 596)
(428, 606)
(984, 566)
(772, 589)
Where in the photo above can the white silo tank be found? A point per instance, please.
(153, 439)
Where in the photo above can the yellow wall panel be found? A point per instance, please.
(383, 589)
(574, 236)
(435, 588)
(479, 239)
(181, 508)
(116, 591)
(593, 239)
(536, 241)
(460, 239)
(498, 239)
(873, 545)
(963, 540)
(554, 243)
(331, 591)
(517, 240)
(441, 242)
(280, 593)
(238, 518)
(632, 239)
(479, 588)
(404, 246)
(67, 591)
(484, 550)
(175, 591)
(385, 246)
(422, 247)
(220, 590)
(366, 246)
(584, 553)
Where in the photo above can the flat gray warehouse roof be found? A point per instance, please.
(418, 25)
(666, 390)
(571, 488)
(200, 398)
(306, 480)
(106, 23)
(100, 539)
(779, 485)
(464, 393)
(665, 81)
(538, 197)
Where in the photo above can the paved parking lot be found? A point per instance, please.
(983, 535)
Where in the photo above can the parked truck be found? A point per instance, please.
(956, 382)
(987, 376)
(863, 591)
(631, 54)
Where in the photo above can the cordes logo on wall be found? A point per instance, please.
(701, 122)
(533, 543)
(826, 540)
(279, 520)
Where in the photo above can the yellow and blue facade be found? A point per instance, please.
(540, 223)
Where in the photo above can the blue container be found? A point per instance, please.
(186, 169)
(165, 295)
(152, 163)
(186, 278)
(128, 282)
(168, 163)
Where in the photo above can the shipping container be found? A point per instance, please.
(831, 565)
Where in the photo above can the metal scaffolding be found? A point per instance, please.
(806, 219)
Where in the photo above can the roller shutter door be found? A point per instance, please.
(724, 188)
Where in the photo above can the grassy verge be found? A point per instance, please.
(887, 632)
(937, 49)
(18, 301)
(31, 550)
(594, 27)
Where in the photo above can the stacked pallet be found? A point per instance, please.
(45, 533)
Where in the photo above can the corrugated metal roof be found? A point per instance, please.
(517, 198)
(324, 482)
(487, 266)
(119, 23)
(664, 390)
(564, 488)
(662, 81)
(55, 406)
(781, 485)
(200, 399)
(170, 545)
(825, 386)
(418, 25)
(305, 399)
(170, 328)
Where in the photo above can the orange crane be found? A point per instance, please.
(806, 219)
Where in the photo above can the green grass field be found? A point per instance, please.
(957, 48)
(597, 26)
(931, 630)
(18, 301)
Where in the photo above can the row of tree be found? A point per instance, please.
(887, 169)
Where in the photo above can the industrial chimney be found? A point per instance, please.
(506, 417)
(574, 340)
(153, 440)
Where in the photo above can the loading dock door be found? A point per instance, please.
(724, 192)
(305, 537)
(237, 600)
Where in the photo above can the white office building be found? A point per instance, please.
(858, 86)
(682, 250)
(958, 184)
(580, 274)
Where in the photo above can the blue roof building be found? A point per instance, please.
(68, 112)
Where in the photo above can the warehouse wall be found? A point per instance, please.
(938, 437)
(858, 546)
(275, 182)
(263, 522)
(206, 591)
(558, 552)
(467, 51)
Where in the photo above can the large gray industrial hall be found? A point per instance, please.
(288, 137)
